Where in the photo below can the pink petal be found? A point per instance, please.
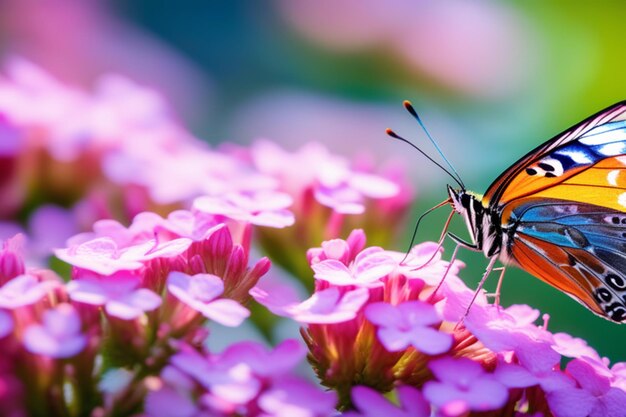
(144, 299)
(514, 376)
(413, 401)
(392, 339)
(487, 394)
(371, 402)
(373, 185)
(570, 402)
(335, 249)
(419, 313)
(168, 402)
(277, 219)
(333, 272)
(226, 312)
(384, 314)
(373, 266)
(122, 310)
(612, 404)
(588, 377)
(6, 324)
(430, 341)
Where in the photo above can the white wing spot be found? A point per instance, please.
(612, 177)
(612, 149)
(621, 199)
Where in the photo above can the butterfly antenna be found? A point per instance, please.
(409, 107)
(417, 224)
(394, 135)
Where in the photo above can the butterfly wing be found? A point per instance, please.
(589, 142)
(561, 207)
(577, 248)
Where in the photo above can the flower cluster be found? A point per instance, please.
(127, 153)
(163, 232)
(378, 321)
(246, 379)
(136, 293)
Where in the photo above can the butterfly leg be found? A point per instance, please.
(496, 295)
(492, 262)
(445, 274)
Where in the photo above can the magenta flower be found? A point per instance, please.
(339, 249)
(59, 336)
(104, 256)
(462, 386)
(368, 268)
(261, 208)
(200, 292)
(594, 396)
(24, 290)
(513, 330)
(6, 324)
(11, 258)
(168, 401)
(325, 306)
(371, 403)
(246, 378)
(334, 183)
(120, 294)
(573, 347)
(290, 397)
(409, 324)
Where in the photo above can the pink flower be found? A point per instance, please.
(290, 397)
(334, 184)
(261, 208)
(120, 294)
(409, 324)
(104, 256)
(368, 268)
(344, 251)
(371, 403)
(325, 306)
(463, 386)
(573, 347)
(11, 258)
(593, 397)
(200, 292)
(246, 378)
(24, 290)
(59, 336)
(6, 324)
(512, 329)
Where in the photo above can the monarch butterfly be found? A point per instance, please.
(559, 212)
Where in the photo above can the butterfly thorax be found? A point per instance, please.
(483, 223)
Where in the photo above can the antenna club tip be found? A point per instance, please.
(391, 133)
(409, 106)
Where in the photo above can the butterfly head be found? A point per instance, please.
(465, 202)
(469, 205)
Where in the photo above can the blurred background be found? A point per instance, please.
(490, 79)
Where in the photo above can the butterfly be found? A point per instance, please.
(559, 213)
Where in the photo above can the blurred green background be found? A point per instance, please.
(490, 79)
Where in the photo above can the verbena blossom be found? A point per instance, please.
(399, 332)
(125, 332)
(200, 292)
(246, 379)
(331, 196)
(370, 403)
(59, 336)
